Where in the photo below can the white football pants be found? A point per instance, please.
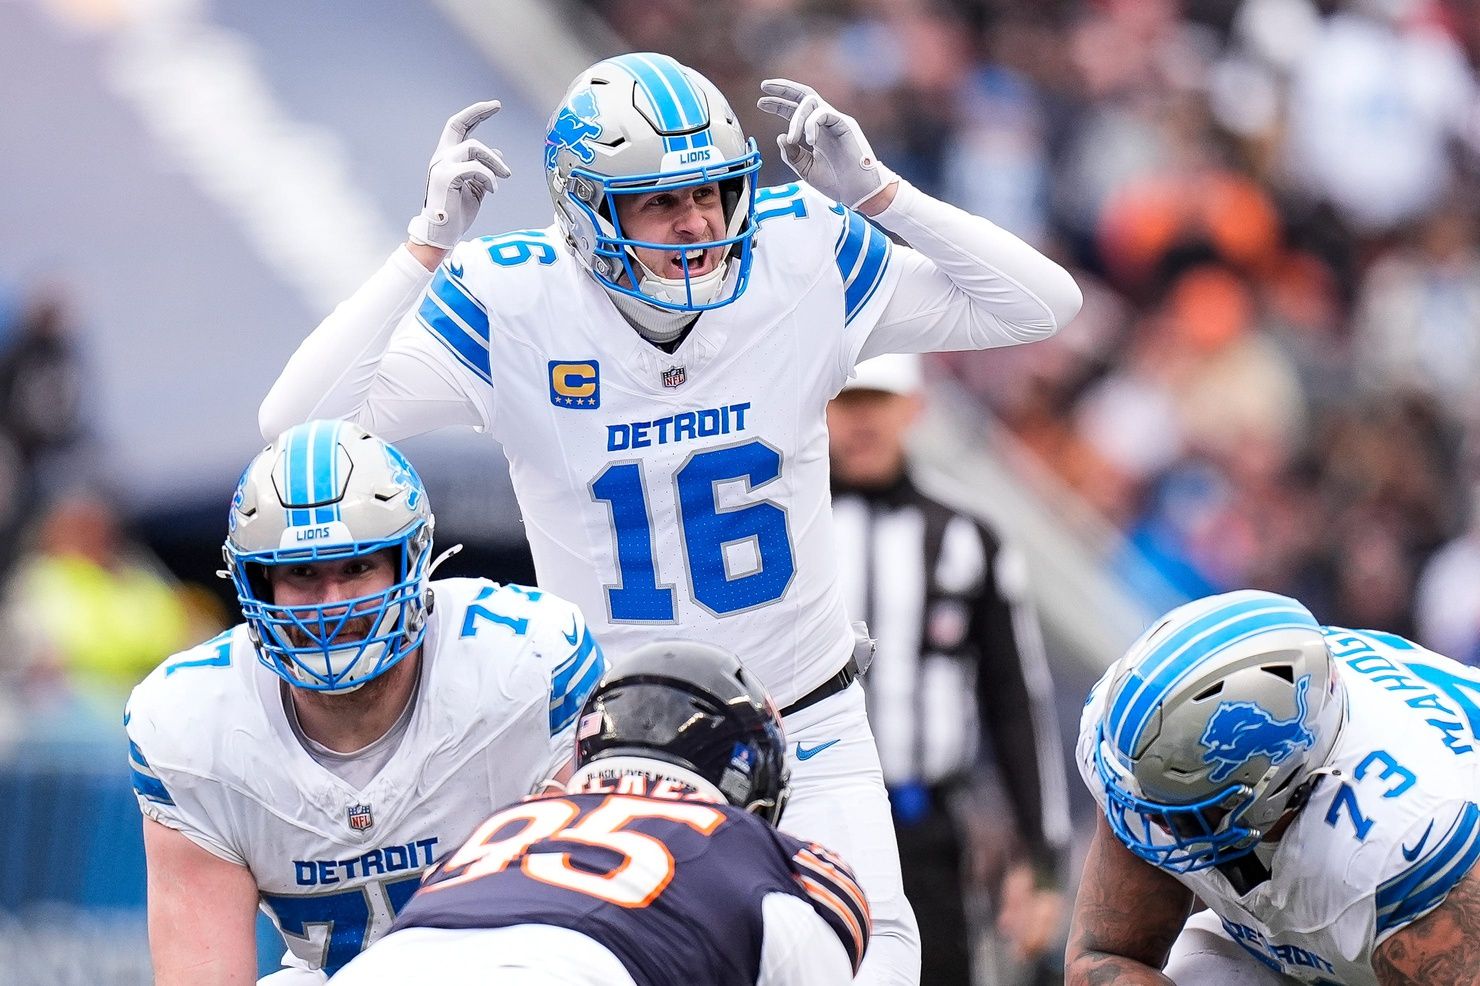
(838, 800)
(521, 955)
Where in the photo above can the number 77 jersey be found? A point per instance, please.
(685, 489)
(337, 849)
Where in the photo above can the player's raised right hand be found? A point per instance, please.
(461, 172)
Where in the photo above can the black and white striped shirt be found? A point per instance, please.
(959, 670)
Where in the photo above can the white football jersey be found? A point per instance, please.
(1383, 837)
(688, 489)
(702, 475)
(505, 670)
(684, 489)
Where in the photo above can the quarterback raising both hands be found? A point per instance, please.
(659, 384)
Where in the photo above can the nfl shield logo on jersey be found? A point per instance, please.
(359, 817)
(674, 376)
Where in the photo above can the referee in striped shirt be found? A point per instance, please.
(958, 680)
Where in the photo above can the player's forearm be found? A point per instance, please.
(1028, 294)
(1101, 969)
(332, 372)
(1440, 949)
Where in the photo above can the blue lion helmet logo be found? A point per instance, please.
(402, 474)
(239, 498)
(1240, 731)
(573, 126)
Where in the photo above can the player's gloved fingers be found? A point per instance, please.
(476, 176)
(792, 155)
(493, 161)
(783, 108)
(792, 92)
(465, 120)
(465, 151)
(476, 150)
(822, 117)
(836, 124)
(796, 132)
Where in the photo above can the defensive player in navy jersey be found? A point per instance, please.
(1317, 788)
(656, 365)
(660, 866)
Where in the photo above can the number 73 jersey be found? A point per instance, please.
(673, 490)
(1387, 832)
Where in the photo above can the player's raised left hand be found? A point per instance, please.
(461, 172)
(826, 148)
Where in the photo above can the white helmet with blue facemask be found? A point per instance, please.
(1216, 721)
(324, 492)
(635, 124)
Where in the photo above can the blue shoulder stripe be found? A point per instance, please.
(457, 319)
(573, 681)
(862, 253)
(151, 787)
(137, 755)
(1422, 887)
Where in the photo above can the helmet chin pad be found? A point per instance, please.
(693, 291)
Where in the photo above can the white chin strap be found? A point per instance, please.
(701, 289)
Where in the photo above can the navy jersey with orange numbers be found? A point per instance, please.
(673, 887)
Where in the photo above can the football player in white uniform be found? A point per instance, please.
(657, 366)
(1315, 787)
(315, 759)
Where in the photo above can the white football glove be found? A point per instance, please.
(825, 148)
(462, 171)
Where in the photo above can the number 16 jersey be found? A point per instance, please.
(685, 489)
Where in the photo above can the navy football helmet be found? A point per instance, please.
(694, 707)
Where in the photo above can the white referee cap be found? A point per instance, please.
(894, 373)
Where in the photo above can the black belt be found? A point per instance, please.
(827, 689)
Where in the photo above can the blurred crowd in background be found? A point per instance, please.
(1271, 206)
(86, 609)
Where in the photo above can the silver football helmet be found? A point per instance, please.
(326, 491)
(1213, 719)
(633, 124)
